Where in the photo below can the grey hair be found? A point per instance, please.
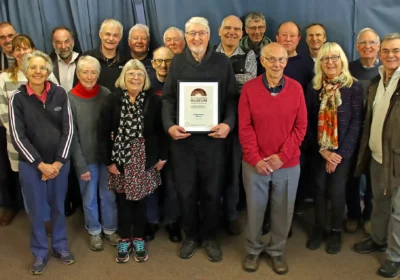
(132, 64)
(111, 22)
(232, 16)
(362, 31)
(255, 17)
(139, 26)
(29, 56)
(173, 28)
(391, 36)
(87, 59)
(198, 20)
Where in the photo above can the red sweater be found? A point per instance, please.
(272, 124)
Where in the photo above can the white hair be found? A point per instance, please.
(87, 59)
(139, 26)
(113, 23)
(362, 31)
(173, 28)
(197, 20)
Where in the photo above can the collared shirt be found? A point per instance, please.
(376, 63)
(250, 67)
(67, 71)
(274, 90)
(42, 97)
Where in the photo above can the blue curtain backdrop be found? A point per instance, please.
(37, 18)
(343, 18)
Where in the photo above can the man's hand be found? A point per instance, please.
(177, 132)
(159, 165)
(49, 171)
(220, 131)
(330, 168)
(262, 168)
(113, 169)
(332, 157)
(85, 176)
(274, 161)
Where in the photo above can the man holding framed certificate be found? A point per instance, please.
(199, 110)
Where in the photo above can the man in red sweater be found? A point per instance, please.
(272, 125)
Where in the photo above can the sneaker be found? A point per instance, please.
(96, 242)
(124, 249)
(140, 251)
(251, 262)
(38, 266)
(64, 256)
(213, 250)
(188, 249)
(351, 226)
(389, 269)
(367, 227)
(279, 265)
(113, 238)
(368, 246)
(334, 242)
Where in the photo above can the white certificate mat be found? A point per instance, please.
(198, 106)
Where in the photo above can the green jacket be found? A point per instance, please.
(245, 43)
(390, 140)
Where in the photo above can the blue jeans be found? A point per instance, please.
(108, 206)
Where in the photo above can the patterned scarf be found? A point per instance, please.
(327, 117)
(130, 127)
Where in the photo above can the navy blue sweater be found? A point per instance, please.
(301, 69)
(350, 116)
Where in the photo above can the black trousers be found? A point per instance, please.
(131, 213)
(9, 186)
(330, 187)
(198, 174)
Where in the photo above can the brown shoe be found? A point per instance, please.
(7, 217)
(279, 265)
(251, 262)
(48, 228)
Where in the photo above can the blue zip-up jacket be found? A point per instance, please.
(41, 132)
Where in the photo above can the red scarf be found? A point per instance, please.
(81, 92)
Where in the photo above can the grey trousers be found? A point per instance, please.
(283, 196)
(385, 218)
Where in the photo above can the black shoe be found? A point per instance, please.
(150, 231)
(389, 269)
(174, 232)
(266, 227)
(214, 252)
(315, 240)
(290, 234)
(334, 242)
(69, 208)
(368, 246)
(232, 227)
(188, 248)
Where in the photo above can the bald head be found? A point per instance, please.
(230, 31)
(274, 59)
(288, 35)
(7, 34)
(162, 58)
(274, 48)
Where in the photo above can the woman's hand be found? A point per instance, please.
(85, 176)
(332, 157)
(113, 169)
(330, 168)
(160, 164)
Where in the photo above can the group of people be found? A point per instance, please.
(291, 126)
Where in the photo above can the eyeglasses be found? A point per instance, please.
(387, 52)
(9, 36)
(365, 43)
(159, 62)
(333, 58)
(193, 33)
(135, 74)
(35, 68)
(273, 59)
(229, 28)
(254, 28)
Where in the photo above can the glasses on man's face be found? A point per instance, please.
(9, 36)
(273, 59)
(393, 51)
(254, 28)
(36, 68)
(192, 34)
(333, 58)
(135, 74)
(159, 62)
(366, 43)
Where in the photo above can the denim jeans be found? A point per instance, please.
(108, 206)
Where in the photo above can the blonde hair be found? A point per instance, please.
(319, 74)
(19, 41)
(132, 64)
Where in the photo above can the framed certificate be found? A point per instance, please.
(198, 108)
